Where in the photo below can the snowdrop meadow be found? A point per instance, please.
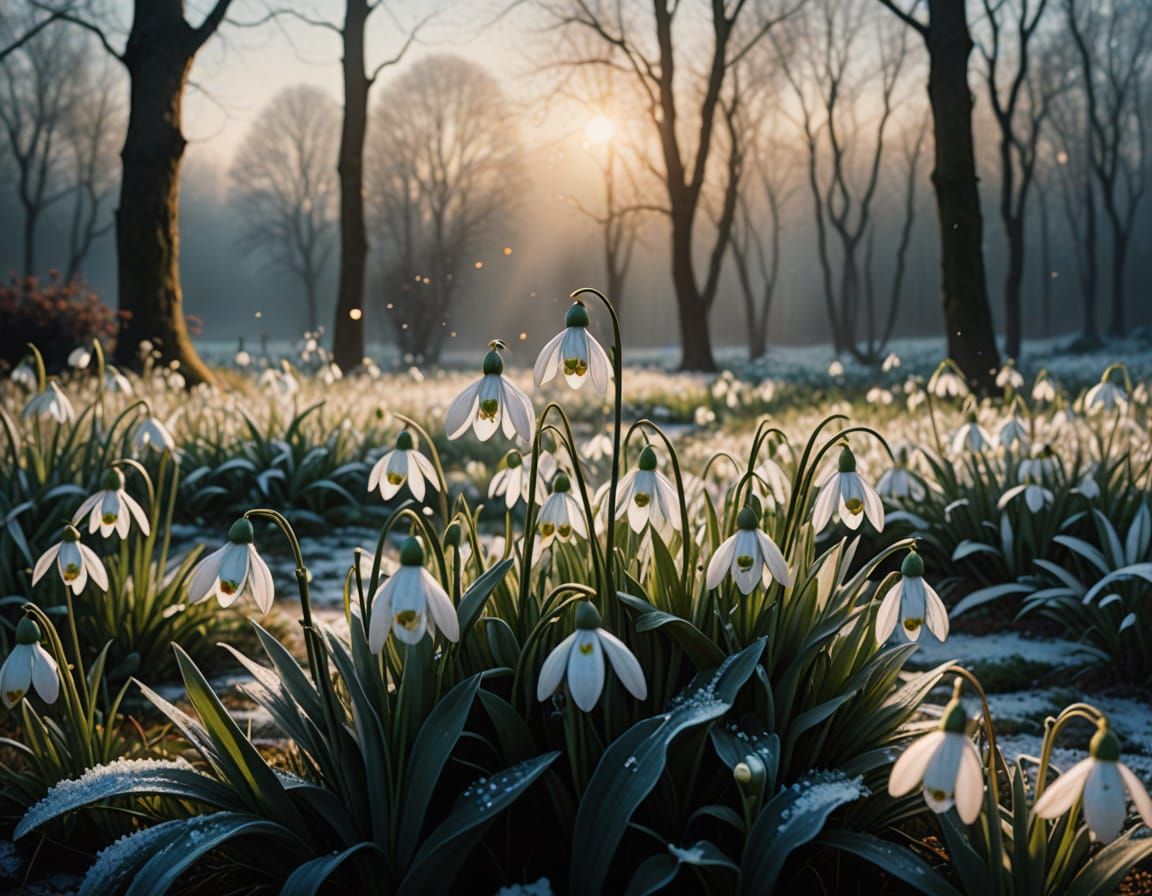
(567, 624)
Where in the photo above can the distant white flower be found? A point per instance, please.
(1105, 396)
(281, 382)
(580, 659)
(1009, 377)
(750, 556)
(836, 368)
(1105, 784)
(913, 603)
(646, 496)
(1035, 496)
(112, 509)
(846, 492)
(116, 382)
(1013, 431)
(79, 358)
(152, 434)
(878, 395)
(1088, 486)
(403, 464)
(28, 666)
(1044, 389)
(75, 562)
(598, 447)
(575, 354)
(51, 402)
(779, 486)
(561, 518)
(491, 403)
(971, 437)
(1040, 464)
(899, 482)
(891, 362)
(242, 359)
(24, 374)
(411, 603)
(232, 571)
(947, 765)
(947, 382)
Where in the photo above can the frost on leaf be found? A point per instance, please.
(115, 864)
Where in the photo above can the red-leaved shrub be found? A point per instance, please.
(54, 316)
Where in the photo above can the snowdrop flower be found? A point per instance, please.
(580, 659)
(891, 362)
(1035, 496)
(79, 358)
(1013, 431)
(1040, 464)
(411, 603)
(914, 603)
(750, 556)
(112, 509)
(574, 353)
(836, 368)
(152, 434)
(947, 382)
(899, 482)
(778, 483)
(74, 561)
(946, 764)
(878, 395)
(1105, 396)
(403, 464)
(115, 381)
(242, 359)
(1105, 784)
(846, 492)
(511, 481)
(598, 447)
(491, 403)
(646, 496)
(1044, 389)
(51, 402)
(28, 666)
(1088, 486)
(1008, 377)
(24, 374)
(561, 517)
(970, 438)
(232, 571)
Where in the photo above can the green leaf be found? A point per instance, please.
(634, 762)
(653, 875)
(985, 595)
(702, 650)
(1105, 870)
(434, 744)
(793, 817)
(899, 861)
(477, 595)
(308, 878)
(445, 849)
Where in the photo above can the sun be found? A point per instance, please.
(599, 130)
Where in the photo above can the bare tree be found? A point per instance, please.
(685, 106)
(445, 170)
(158, 55)
(284, 187)
(1019, 105)
(1113, 40)
(41, 78)
(93, 131)
(967, 315)
(842, 51)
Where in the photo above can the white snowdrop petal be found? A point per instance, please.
(908, 770)
(586, 670)
(1059, 796)
(1105, 801)
(624, 664)
(553, 669)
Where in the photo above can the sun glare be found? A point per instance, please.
(599, 130)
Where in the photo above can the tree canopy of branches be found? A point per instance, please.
(445, 169)
(686, 105)
(284, 187)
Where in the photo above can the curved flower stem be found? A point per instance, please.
(84, 692)
(685, 547)
(1053, 727)
(763, 431)
(566, 437)
(989, 731)
(442, 481)
(80, 710)
(583, 592)
(531, 509)
(617, 421)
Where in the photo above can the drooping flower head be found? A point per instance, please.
(74, 561)
(403, 464)
(646, 496)
(946, 764)
(912, 602)
(971, 437)
(561, 518)
(411, 603)
(845, 492)
(29, 666)
(232, 571)
(510, 482)
(1105, 784)
(51, 402)
(575, 354)
(580, 659)
(750, 556)
(490, 404)
(112, 509)
(153, 434)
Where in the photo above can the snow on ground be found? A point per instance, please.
(998, 646)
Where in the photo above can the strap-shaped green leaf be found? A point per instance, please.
(307, 879)
(477, 595)
(1110, 866)
(899, 861)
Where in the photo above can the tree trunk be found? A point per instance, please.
(1013, 287)
(348, 330)
(31, 216)
(1116, 326)
(971, 336)
(159, 53)
(695, 339)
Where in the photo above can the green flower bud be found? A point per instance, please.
(587, 616)
(913, 565)
(561, 483)
(747, 518)
(955, 719)
(411, 554)
(27, 631)
(493, 363)
(751, 772)
(648, 458)
(404, 441)
(1105, 745)
(577, 315)
(452, 535)
(112, 480)
(512, 460)
(71, 533)
(241, 532)
(847, 460)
